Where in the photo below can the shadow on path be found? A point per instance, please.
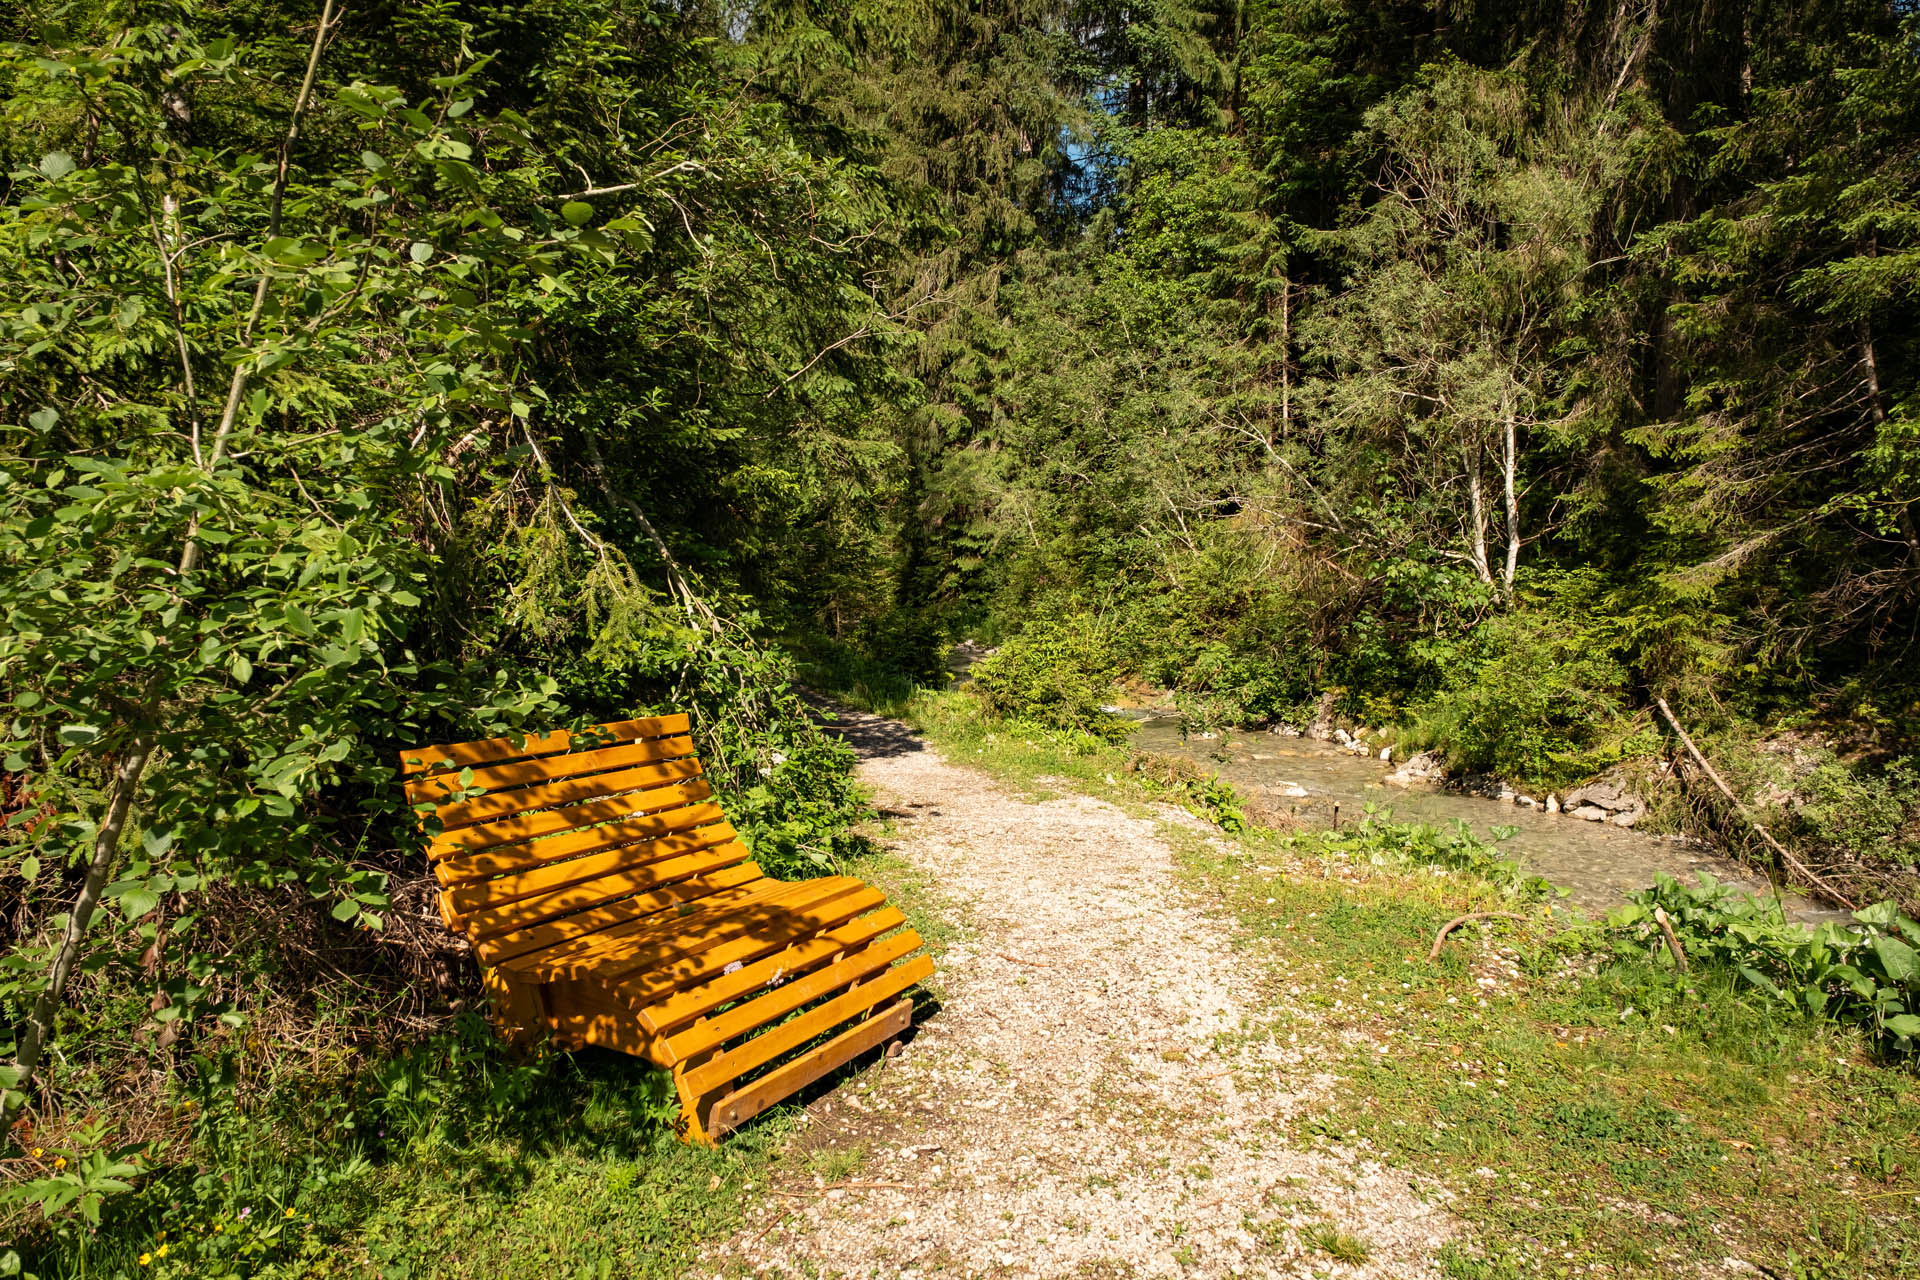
(871, 737)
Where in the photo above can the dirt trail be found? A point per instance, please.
(1098, 1096)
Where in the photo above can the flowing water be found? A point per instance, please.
(1597, 862)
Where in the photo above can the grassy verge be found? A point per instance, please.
(456, 1159)
(1586, 1110)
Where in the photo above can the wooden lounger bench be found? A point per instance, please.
(610, 903)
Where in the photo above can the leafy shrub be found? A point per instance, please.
(1872, 814)
(1379, 841)
(1201, 791)
(1538, 695)
(1057, 674)
(1868, 974)
(1222, 688)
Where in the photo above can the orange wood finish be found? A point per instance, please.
(611, 903)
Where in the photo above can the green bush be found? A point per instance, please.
(1539, 694)
(1870, 814)
(1057, 674)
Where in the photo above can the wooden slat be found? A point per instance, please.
(488, 750)
(788, 1036)
(568, 791)
(744, 1104)
(711, 1033)
(437, 787)
(691, 929)
(527, 826)
(518, 948)
(685, 989)
(490, 922)
(472, 894)
(527, 855)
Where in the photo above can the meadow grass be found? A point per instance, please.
(1584, 1109)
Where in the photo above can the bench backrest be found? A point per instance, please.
(546, 838)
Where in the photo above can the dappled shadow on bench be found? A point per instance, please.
(610, 903)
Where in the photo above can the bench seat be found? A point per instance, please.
(610, 903)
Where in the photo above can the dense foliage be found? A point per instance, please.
(380, 373)
(1496, 372)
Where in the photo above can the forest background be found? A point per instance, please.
(376, 373)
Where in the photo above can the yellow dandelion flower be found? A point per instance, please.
(146, 1259)
(217, 1228)
(161, 1252)
(38, 1152)
(289, 1211)
(59, 1162)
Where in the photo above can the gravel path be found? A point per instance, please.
(1097, 1096)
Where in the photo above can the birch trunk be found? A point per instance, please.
(1477, 550)
(1510, 468)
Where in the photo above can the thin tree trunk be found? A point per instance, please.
(1478, 546)
(1902, 507)
(1510, 466)
(1286, 355)
(106, 843)
(696, 608)
(1741, 809)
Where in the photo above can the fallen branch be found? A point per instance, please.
(778, 1218)
(1457, 921)
(817, 1192)
(1673, 939)
(1742, 810)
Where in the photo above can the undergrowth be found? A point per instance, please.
(457, 1158)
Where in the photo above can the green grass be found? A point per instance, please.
(456, 1160)
(477, 1165)
(1618, 1118)
(1589, 1112)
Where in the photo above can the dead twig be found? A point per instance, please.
(1457, 921)
(817, 1192)
(1673, 939)
(778, 1218)
(1038, 964)
(1742, 810)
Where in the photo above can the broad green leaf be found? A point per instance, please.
(1902, 963)
(1904, 1024)
(576, 212)
(56, 165)
(137, 902)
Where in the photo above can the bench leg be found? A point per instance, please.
(519, 1008)
(694, 1107)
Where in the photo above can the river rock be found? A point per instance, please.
(1386, 753)
(1553, 804)
(1322, 726)
(1616, 804)
(1589, 813)
(1424, 767)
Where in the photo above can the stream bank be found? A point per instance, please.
(1321, 784)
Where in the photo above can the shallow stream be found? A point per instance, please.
(1598, 863)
